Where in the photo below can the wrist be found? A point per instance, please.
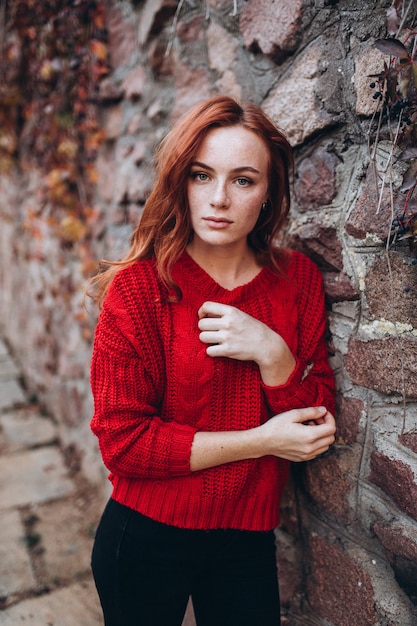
(260, 442)
(277, 372)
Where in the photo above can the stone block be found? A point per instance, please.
(292, 104)
(11, 394)
(154, 15)
(338, 588)
(321, 243)
(400, 545)
(409, 440)
(67, 528)
(134, 83)
(122, 40)
(113, 122)
(109, 92)
(26, 428)
(16, 576)
(339, 287)
(77, 605)
(372, 213)
(193, 40)
(348, 414)
(329, 481)
(105, 165)
(368, 60)
(315, 184)
(275, 29)
(386, 284)
(8, 368)
(397, 480)
(222, 48)
(379, 364)
(33, 477)
(192, 87)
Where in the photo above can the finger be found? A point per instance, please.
(324, 447)
(211, 337)
(311, 413)
(329, 419)
(209, 323)
(322, 432)
(216, 350)
(212, 309)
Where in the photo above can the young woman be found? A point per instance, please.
(209, 376)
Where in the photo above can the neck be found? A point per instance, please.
(229, 268)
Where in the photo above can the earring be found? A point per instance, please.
(264, 206)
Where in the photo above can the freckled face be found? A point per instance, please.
(227, 184)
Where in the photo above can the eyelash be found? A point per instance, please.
(247, 181)
(197, 175)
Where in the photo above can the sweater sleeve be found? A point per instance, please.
(127, 388)
(312, 381)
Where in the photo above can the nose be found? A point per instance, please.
(220, 197)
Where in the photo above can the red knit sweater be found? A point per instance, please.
(154, 387)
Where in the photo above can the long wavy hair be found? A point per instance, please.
(164, 230)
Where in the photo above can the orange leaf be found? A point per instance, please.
(98, 49)
(72, 229)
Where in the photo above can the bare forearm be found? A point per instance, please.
(296, 435)
(211, 449)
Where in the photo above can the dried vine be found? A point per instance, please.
(396, 115)
(396, 93)
(54, 54)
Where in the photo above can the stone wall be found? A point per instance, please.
(348, 542)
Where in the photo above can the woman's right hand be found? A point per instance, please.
(297, 435)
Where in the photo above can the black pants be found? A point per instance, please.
(145, 573)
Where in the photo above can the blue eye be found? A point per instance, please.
(243, 182)
(201, 176)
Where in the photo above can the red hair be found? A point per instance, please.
(165, 229)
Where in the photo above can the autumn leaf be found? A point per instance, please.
(99, 18)
(68, 148)
(72, 228)
(393, 47)
(94, 140)
(410, 178)
(98, 49)
(92, 174)
(409, 153)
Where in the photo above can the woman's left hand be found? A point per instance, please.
(229, 332)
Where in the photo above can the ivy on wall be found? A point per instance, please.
(54, 54)
(396, 92)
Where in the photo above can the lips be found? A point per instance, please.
(217, 222)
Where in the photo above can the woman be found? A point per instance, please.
(209, 376)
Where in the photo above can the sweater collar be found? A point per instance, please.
(189, 275)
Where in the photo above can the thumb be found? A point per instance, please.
(311, 413)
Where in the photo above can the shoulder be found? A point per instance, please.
(143, 269)
(297, 267)
(140, 274)
(136, 286)
(302, 266)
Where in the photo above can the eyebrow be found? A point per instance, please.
(242, 168)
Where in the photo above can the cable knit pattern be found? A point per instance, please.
(154, 386)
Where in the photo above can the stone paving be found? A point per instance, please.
(48, 514)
